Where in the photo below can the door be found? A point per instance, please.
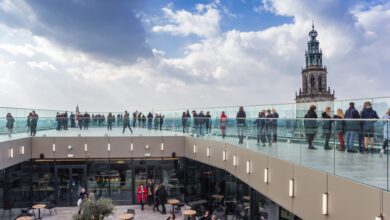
(69, 181)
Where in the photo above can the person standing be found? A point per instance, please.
(126, 122)
(72, 120)
(80, 119)
(223, 124)
(156, 192)
(135, 118)
(340, 128)
(310, 124)
(386, 131)
(195, 128)
(143, 121)
(260, 125)
(327, 126)
(156, 122)
(58, 120)
(241, 123)
(110, 120)
(202, 120)
(161, 121)
(150, 187)
(142, 193)
(188, 116)
(150, 121)
(162, 197)
(269, 126)
(65, 118)
(29, 122)
(86, 120)
(352, 127)
(275, 117)
(34, 123)
(184, 122)
(10, 124)
(208, 122)
(369, 126)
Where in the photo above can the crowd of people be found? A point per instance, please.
(349, 127)
(154, 195)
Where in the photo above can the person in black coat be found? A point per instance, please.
(126, 122)
(34, 123)
(260, 125)
(72, 120)
(162, 197)
(352, 127)
(310, 124)
(269, 126)
(275, 117)
(10, 124)
(241, 124)
(327, 127)
(184, 122)
(110, 121)
(150, 121)
(369, 125)
(161, 121)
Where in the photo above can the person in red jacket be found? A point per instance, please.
(142, 193)
(223, 124)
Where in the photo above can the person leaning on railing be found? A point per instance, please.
(386, 131)
(310, 124)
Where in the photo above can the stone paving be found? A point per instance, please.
(66, 213)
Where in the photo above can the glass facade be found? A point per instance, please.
(201, 186)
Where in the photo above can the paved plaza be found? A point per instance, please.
(66, 213)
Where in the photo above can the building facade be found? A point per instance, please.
(314, 75)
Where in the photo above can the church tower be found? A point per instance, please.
(314, 75)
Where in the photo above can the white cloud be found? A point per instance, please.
(204, 22)
(41, 65)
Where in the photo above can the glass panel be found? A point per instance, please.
(43, 184)
(63, 184)
(121, 185)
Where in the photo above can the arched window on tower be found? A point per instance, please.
(320, 83)
(312, 82)
(305, 84)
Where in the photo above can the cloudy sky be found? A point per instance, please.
(165, 54)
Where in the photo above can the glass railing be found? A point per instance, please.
(353, 149)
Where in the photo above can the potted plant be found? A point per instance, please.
(95, 210)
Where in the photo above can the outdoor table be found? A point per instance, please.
(218, 197)
(173, 202)
(189, 213)
(248, 198)
(126, 216)
(25, 218)
(39, 207)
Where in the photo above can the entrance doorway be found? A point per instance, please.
(69, 181)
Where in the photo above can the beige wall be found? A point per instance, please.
(347, 199)
(97, 147)
(15, 144)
